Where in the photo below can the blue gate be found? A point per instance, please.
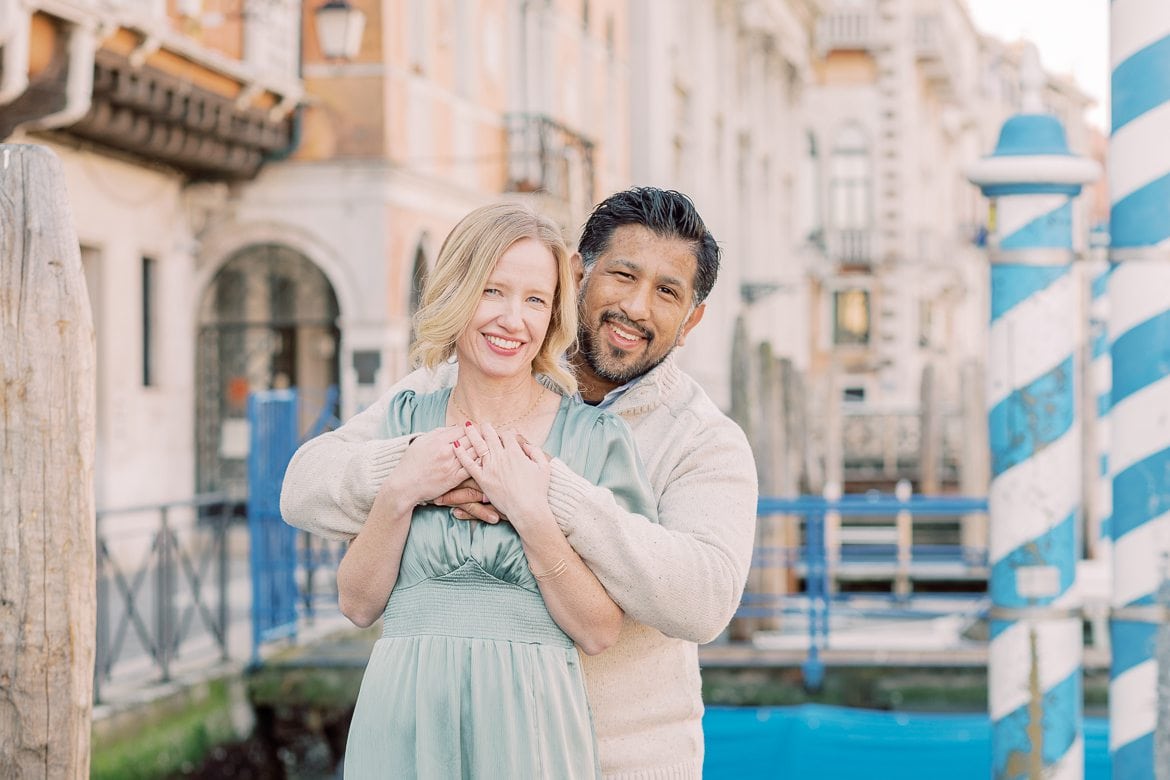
(272, 419)
(274, 435)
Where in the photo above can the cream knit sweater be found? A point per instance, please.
(679, 581)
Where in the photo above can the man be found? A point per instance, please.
(648, 262)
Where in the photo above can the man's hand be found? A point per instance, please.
(469, 503)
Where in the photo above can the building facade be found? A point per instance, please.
(255, 214)
(139, 101)
(906, 94)
(717, 112)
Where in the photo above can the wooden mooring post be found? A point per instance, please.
(46, 476)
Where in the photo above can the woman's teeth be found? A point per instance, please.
(502, 343)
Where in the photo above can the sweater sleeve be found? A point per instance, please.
(683, 575)
(332, 479)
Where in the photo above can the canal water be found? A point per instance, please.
(777, 743)
(840, 743)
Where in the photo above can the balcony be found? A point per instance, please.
(547, 157)
(879, 444)
(124, 82)
(846, 29)
(934, 56)
(850, 246)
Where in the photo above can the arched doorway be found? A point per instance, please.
(267, 320)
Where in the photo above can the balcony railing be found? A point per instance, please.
(545, 156)
(850, 247)
(884, 444)
(849, 29)
(935, 57)
(879, 444)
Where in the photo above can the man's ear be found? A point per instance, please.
(691, 322)
(578, 267)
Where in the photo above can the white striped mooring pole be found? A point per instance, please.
(1139, 325)
(1035, 655)
(1101, 387)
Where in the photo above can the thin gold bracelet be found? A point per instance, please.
(559, 568)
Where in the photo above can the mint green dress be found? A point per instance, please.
(472, 678)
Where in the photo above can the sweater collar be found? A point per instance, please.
(650, 389)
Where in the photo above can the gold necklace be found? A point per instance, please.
(514, 420)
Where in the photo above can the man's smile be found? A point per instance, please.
(622, 334)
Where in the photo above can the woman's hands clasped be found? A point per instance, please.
(512, 473)
(428, 468)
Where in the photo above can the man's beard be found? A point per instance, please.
(606, 361)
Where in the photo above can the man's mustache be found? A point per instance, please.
(617, 319)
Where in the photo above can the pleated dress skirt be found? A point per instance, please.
(471, 679)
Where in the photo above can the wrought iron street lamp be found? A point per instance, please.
(339, 29)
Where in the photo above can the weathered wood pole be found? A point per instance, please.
(795, 455)
(742, 378)
(770, 531)
(930, 438)
(46, 476)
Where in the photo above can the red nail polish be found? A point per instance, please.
(456, 444)
(467, 424)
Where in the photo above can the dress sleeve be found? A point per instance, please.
(613, 463)
(400, 414)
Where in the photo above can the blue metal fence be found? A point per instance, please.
(293, 573)
(807, 559)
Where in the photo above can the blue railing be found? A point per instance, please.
(815, 550)
(827, 540)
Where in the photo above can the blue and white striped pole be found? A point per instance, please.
(1140, 328)
(1101, 386)
(1035, 656)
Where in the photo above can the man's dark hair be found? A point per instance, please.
(668, 213)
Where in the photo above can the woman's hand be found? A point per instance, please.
(367, 573)
(513, 474)
(428, 468)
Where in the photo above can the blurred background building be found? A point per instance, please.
(257, 209)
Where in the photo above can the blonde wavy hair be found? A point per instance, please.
(466, 259)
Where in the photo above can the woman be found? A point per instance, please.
(477, 672)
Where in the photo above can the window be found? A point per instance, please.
(853, 395)
(851, 323)
(925, 323)
(149, 322)
(850, 181)
(91, 267)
